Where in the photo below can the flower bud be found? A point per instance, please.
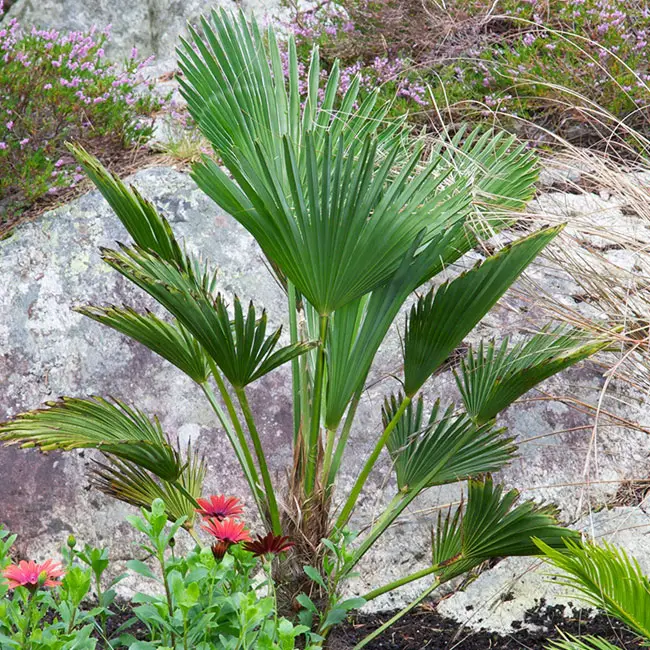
(72, 541)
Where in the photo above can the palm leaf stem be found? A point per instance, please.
(179, 486)
(329, 450)
(271, 501)
(316, 407)
(343, 439)
(369, 464)
(366, 640)
(295, 363)
(401, 582)
(241, 451)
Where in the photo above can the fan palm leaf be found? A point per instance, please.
(171, 341)
(112, 427)
(242, 350)
(604, 577)
(490, 379)
(447, 448)
(493, 526)
(128, 482)
(439, 321)
(587, 642)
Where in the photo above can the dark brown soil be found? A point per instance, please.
(425, 629)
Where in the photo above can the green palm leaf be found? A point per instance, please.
(445, 449)
(439, 321)
(127, 482)
(111, 427)
(587, 642)
(149, 230)
(490, 379)
(171, 341)
(604, 577)
(318, 190)
(493, 526)
(242, 350)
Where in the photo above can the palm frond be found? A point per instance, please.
(490, 379)
(447, 448)
(112, 427)
(493, 526)
(150, 230)
(604, 577)
(316, 187)
(242, 349)
(586, 642)
(127, 482)
(171, 341)
(439, 321)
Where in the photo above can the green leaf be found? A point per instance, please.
(313, 574)
(491, 379)
(241, 349)
(149, 230)
(439, 321)
(493, 526)
(112, 427)
(604, 577)
(129, 483)
(587, 642)
(142, 569)
(446, 449)
(171, 341)
(307, 603)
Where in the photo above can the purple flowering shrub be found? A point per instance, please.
(56, 88)
(527, 60)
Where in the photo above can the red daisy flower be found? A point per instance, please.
(32, 575)
(220, 507)
(269, 544)
(227, 533)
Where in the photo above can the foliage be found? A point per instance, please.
(354, 212)
(58, 87)
(206, 601)
(518, 61)
(607, 578)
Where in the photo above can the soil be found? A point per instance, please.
(425, 629)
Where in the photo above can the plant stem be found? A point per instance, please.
(236, 437)
(367, 468)
(400, 582)
(168, 595)
(98, 588)
(26, 631)
(342, 442)
(295, 363)
(274, 512)
(316, 406)
(365, 641)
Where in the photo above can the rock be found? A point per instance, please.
(53, 263)
(153, 26)
(502, 596)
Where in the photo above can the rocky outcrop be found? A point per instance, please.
(47, 350)
(153, 26)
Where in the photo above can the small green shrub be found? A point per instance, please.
(58, 87)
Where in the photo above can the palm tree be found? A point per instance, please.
(354, 212)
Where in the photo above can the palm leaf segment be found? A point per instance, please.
(315, 187)
(112, 427)
(439, 321)
(604, 577)
(491, 378)
(587, 642)
(127, 482)
(492, 526)
(446, 449)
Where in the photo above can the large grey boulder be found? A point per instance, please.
(53, 263)
(153, 26)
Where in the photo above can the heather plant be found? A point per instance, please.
(354, 212)
(57, 87)
(516, 61)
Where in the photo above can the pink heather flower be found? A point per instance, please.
(23, 142)
(10, 125)
(47, 87)
(32, 575)
(3, 145)
(134, 52)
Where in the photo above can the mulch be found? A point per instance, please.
(424, 629)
